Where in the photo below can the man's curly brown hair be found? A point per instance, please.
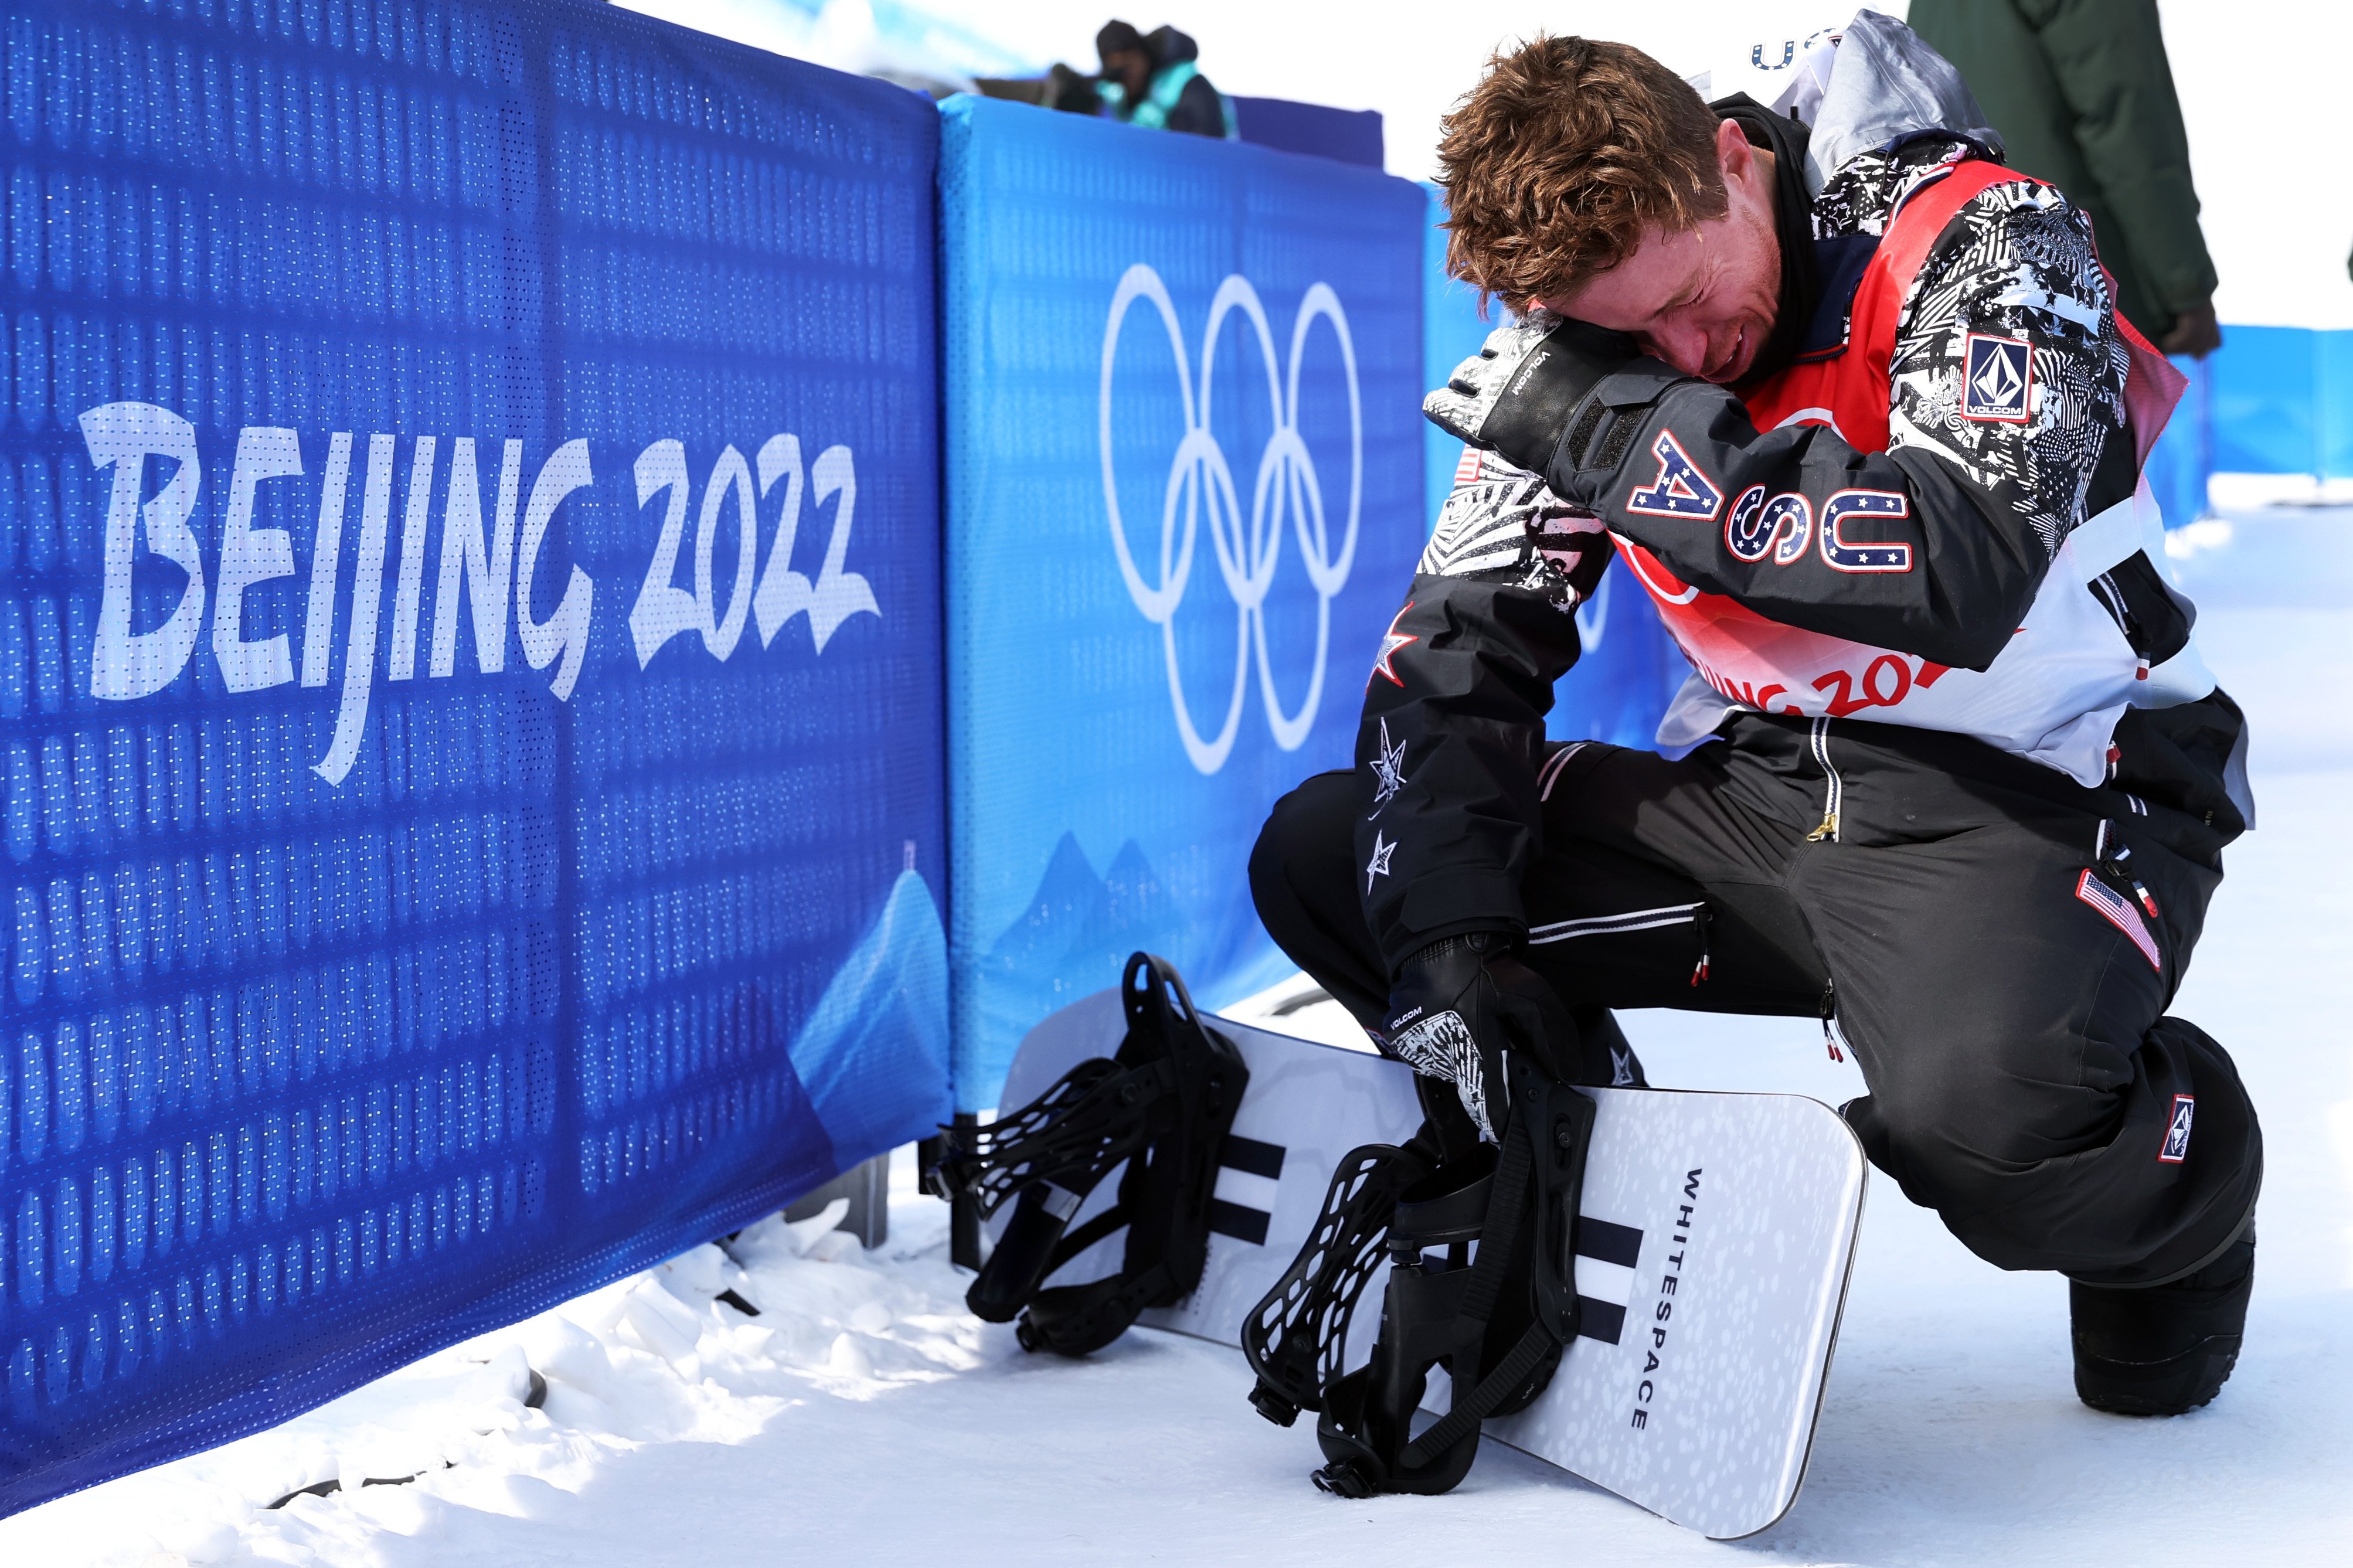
(1561, 157)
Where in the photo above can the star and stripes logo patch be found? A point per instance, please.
(2119, 912)
(1682, 489)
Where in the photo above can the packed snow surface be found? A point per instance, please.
(863, 1417)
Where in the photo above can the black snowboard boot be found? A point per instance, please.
(2163, 1349)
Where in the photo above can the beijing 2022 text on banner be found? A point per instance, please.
(1183, 382)
(470, 710)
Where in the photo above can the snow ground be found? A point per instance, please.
(865, 1418)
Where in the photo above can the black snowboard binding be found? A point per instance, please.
(1162, 1105)
(1497, 1321)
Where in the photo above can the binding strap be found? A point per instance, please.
(1161, 1107)
(1523, 1212)
(1519, 1203)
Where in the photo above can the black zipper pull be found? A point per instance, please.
(1830, 1008)
(1699, 918)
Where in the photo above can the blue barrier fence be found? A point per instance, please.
(2270, 400)
(1351, 136)
(2280, 401)
(1184, 496)
(1451, 331)
(469, 682)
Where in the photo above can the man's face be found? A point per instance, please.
(1704, 300)
(1132, 69)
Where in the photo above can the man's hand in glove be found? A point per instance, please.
(1463, 1001)
(1519, 393)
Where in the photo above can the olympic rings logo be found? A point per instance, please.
(1284, 492)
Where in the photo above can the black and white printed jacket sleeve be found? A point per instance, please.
(1453, 731)
(1451, 738)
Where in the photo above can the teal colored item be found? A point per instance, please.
(1160, 99)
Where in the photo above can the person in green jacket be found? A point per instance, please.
(2081, 93)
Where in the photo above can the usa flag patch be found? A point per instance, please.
(2120, 913)
(1997, 379)
(1466, 470)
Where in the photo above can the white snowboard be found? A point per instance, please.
(1716, 1233)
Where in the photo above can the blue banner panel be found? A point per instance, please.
(2262, 400)
(2333, 378)
(2179, 466)
(1350, 135)
(2282, 401)
(469, 793)
(1183, 381)
(1451, 331)
(2270, 400)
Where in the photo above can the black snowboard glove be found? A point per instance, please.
(1520, 395)
(1460, 1004)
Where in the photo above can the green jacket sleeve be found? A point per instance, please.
(2109, 58)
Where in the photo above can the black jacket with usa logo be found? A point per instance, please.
(1453, 734)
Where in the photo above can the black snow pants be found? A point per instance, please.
(1999, 969)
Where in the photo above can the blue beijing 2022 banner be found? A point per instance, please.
(1184, 442)
(470, 807)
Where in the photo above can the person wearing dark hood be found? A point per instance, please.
(1155, 81)
(1853, 402)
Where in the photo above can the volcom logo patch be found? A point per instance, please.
(1998, 379)
(2177, 1131)
(1680, 490)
